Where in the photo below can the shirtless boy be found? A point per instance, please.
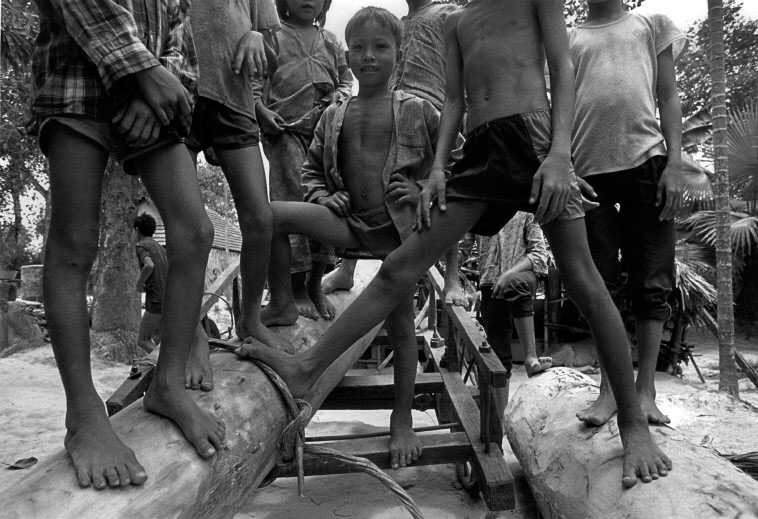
(510, 163)
(360, 178)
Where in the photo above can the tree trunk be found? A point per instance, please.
(727, 369)
(181, 484)
(574, 471)
(116, 304)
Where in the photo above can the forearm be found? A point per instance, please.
(450, 123)
(670, 110)
(562, 106)
(523, 265)
(144, 274)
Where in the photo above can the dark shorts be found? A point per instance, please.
(500, 159)
(217, 126)
(375, 230)
(153, 303)
(627, 221)
(105, 135)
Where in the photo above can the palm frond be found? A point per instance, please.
(697, 255)
(697, 181)
(697, 129)
(743, 229)
(696, 295)
(743, 150)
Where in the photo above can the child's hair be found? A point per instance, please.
(284, 12)
(145, 224)
(380, 15)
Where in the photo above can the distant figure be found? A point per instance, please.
(153, 266)
(509, 263)
(625, 78)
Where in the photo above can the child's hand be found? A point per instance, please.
(269, 121)
(137, 123)
(586, 189)
(498, 290)
(164, 93)
(251, 54)
(339, 202)
(433, 189)
(670, 187)
(552, 185)
(403, 189)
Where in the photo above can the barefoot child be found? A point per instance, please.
(624, 66)
(231, 38)
(510, 163)
(311, 75)
(361, 144)
(90, 67)
(508, 265)
(419, 71)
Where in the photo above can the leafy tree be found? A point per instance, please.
(741, 66)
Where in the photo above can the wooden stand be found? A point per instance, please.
(575, 470)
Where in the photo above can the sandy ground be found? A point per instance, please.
(32, 409)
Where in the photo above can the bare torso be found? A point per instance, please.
(503, 59)
(364, 146)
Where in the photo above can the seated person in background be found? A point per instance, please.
(508, 267)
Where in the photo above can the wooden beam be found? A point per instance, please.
(749, 371)
(375, 391)
(219, 286)
(439, 449)
(575, 471)
(181, 484)
(130, 391)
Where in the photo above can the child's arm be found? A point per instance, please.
(669, 106)
(147, 269)
(552, 183)
(314, 178)
(450, 123)
(107, 34)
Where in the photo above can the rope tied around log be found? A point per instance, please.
(292, 447)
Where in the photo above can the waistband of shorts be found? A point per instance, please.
(537, 112)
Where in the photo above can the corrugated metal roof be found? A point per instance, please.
(227, 235)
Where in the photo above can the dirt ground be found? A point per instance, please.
(32, 409)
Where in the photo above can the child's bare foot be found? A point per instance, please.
(340, 279)
(304, 305)
(198, 373)
(201, 428)
(650, 410)
(536, 365)
(454, 295)
(100, 458)
(324, 307)
(642, 457)
(405, 447)
(289, 367)
(261, 333)
(600, 411)
(273, 315)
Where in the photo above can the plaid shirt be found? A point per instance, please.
(88, 51)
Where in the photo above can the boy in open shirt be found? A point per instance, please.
(119, 78)
(624, 65)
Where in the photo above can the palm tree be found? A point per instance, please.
(727, 367)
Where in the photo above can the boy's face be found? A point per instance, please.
(305, 11)
(372, 54)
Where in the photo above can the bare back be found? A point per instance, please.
(364, 145)
(503, 56)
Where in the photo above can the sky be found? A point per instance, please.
(682, 12)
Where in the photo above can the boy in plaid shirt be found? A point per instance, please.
(118, 77)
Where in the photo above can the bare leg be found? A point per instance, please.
(169, 176)
(324, 307)
(602, 409)
(198, 374)
(99, 457)
(305, 306)
(649, 334)
(284, 305)
(396, 279)
(244, 171)
(340, 279)
(642, 458)
(404, 447)
(311, 220)
(454, 294)
(149, 327)
(532, 363)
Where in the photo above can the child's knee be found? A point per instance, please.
(396, 273)
(75, 251)
(193, 237)
(256, 220)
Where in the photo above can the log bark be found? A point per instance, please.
(181, 484)
(575, 471)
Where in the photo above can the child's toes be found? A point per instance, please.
(394, 459)
(111, 476)
(137, 473)
(123, 475)
(83, 477)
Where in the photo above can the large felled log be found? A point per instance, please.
(180, 483)
(575, 470)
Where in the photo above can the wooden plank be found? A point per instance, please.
(575, 471)
(439, 449)
(375, 391)
(180, 483)
(130, 391)
(219, 286)
(749, 371)
(489, 365)
(490, 468)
